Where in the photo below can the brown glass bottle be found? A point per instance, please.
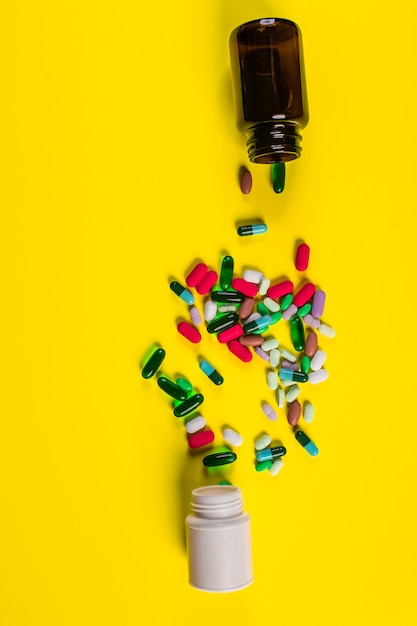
(269, 88)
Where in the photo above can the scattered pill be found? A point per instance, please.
(306, 442)
(253, 316)
(302, 257)
(222, 322)
(275, 317)
(289, 374)
(297, 333)
(304, 310)
(245, 180)
(272, 381)
(219, 458)
(286, 301)
(207, 282)
(242, 352)
(243, 286)
(227, 308)
(234, 332)
(278, 177)
(189, 332)
(290, 312)
(292, 393)
(264, 286)
(311, 344)
(253, 276)
(246, 308)
(270, 453)
(226, 272)
(288, 365)
(318, 377)
(232, 437)
(252, 229)
(294, 412)
(200, 439)
(280, 289)
(171, 388)
(304, 294)
(258, 325)
(261, 353)
(274, 357)
(184, 384)
(318, 360)
(262, 309)
(265, 465)
(263, 442)
(195, 316)
(211, 372)
(189, 405)
(269, 411)
(154, 362)
(196, 275)
(195, 424)
(227, 296)
(210, 310)
(305, 364)
(270, 344)
(318, 303)
(276, 467)
(251, 340)
(183, 293)
(280, 397)
(287, 355)
(271, 304)
(326, 330)
(308, 413)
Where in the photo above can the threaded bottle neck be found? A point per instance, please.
(274, 142)
(217, 501)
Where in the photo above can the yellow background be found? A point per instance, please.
(119, 160)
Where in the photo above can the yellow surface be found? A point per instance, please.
(119, 160)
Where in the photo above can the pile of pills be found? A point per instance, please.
(242, 312)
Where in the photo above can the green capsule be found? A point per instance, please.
(278, 177)
(305, 364)
(304, 310)
(189, 405)
(286, 301)
(297, 333)
(262, 309)
(263, 465)
(154, 362)
(226, 272)
(225, 482)
(228, 296)
(171, 388)
(223, 322)
(184, 384)
(275, 317)
(219, 458)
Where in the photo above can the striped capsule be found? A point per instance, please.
(189, 405)
(270, 453)
(189, 332)
(227, 296)
(171, 388)
(243, 286)
(269, 411)
(219, 458)
(207, 282)
(183, 293)
(196, 275)
(211, 372)
(252, 229)
(242, 352)
(152, 365)
(304, 294)
(280, 289)
(200, 439)
(306, 442)
(226, 272)
(222, 322)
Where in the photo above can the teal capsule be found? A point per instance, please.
(258, 325)
(219, 458)
(268, 454)
(222, 323)
(252, 229)
(154, 362)
(305, 364)
(286, 301)
(189, 405)
(184, 384)
(264, 465)
(304, 310)
(211, 372)
(262, 309)
(171, 388)
(226, 272)
(297, 333)
(227, 296)
(182, 292)
(306, 442)
(275, 317)
(295, 375)
(278, 177)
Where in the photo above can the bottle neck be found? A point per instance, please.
(273, 142)
(217, 502)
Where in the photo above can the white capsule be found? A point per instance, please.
(276, 467)
(254, 316)
(271, 304)
(317, 360)
(210, 310)
(272, 380)
(274, 358)
(326, 330)
(252, 276)
(308, 413)
(269, 411)
(227, 308)
(287, 355)
(195, 316)
(280, 397)
(263, 442)
(232, 437)
(292, 393)
(288, 313)
(286, 383)
(270, 344)
(318, 376)
(197, 423)
(264, 286)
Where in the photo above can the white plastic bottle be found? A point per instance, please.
(219, 541)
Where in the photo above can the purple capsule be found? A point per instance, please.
(319, 299)
(264, 355)
(288, 313)
(289, 366)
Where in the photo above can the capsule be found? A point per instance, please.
(296, 376)
(195, 316)
(292, 393)
(305, 364)
(171, 388)
(308, 413)
(297, 333)
(211, 372)
(287, 355)
(278, 177)
(245, 180)
(270, 344)
(261, 353)
(304, 294)
(232, 437)
(280, 398)
(253, 276)
(269, 412)
(226, 272)
(270, 453)
(276, 467)
(189, 405)
(318, 303)
(200, 439)
(154, 362)
(274, 357)
(222, 322)
(318, 377)
(243, 286)
(227, 296)
(258, 325)
(294, 413)
(246, 308)
(207, 282)
(189, 332)
(264, 286)
(311, 344)
(219, 458)
(326, 330)
(251, 340)
(263, 442)
(210, 310)
(195, 424)
(272, 381)
(275, 317)
(242, 352)
(234, 332)
(252, 229)
(183, 293)
(261, 467)
(290, 312)
(286, 301)
(302, 257)
(306, 442)
(304, 310)
(184, 384)
(285, 364)
(271, 304)
(280, 289)
(318, 360)
(227, 308)
(262, 309)
(196, 275)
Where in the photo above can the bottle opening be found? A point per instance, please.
(217, 501)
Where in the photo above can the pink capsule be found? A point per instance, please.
(302, 257)
(242, 352)
(318, 303)
(189, 332)
(202, 438)
(207, 282)
(230, 333)
(280, 289)
(248, 289)
(196, 275)
(304, 294)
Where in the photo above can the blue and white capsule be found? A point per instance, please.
(269, 454)
(183, 293)
(211, 372)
